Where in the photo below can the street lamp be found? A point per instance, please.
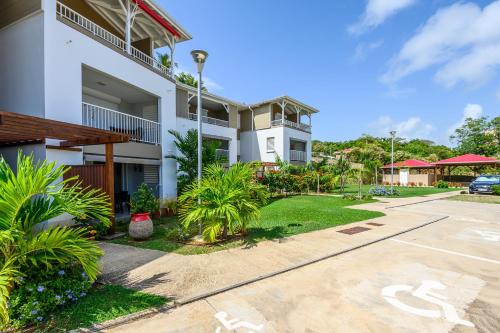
(393, 134)
(199, 57)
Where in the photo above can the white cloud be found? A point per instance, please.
(376, 12)
(362, 49)
(470, 111)
(411, 128)
(463, 39)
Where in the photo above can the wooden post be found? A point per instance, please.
(110, 181)
(435, 174)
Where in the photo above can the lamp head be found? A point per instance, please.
(393, 133)
(199, 57)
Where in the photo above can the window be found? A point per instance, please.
(270, 145)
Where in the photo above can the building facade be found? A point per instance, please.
(93, 63)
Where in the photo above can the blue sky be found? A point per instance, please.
(417, 66)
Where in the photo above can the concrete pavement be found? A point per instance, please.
(444, 277)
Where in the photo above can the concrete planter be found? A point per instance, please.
(141, 226)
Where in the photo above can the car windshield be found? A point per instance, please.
(488, 179)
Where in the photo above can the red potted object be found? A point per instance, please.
(143, 202)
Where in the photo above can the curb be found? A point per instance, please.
(148, 313)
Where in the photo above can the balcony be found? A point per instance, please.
(66, 14)
(139, 129)
(288, 123)
(298, 155)
(209, 120)
(222, 153)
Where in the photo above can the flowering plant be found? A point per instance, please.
(38, 294)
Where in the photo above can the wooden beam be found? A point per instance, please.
(63, 148)
(95, 141)
(110, 182)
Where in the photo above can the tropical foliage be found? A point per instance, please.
(30, 196)
(478, 136)
(224, 202)
(165, 60)
(144, 200)
(187, 156)
(190, 80)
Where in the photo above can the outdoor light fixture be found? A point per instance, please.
(199, 57)
(393, 134)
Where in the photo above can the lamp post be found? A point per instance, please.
(199, 57)
(393, 133)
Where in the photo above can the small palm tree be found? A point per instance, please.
(187, 156)
(225, 201)
(29, 197)
(190, 80)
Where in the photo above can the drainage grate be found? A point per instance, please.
(352, 231)
(375, 224)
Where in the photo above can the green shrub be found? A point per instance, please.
(496, 189)
(144, 200)
(441, 184)
(37, 295)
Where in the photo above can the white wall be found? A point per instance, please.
(66, 50)
(253, 144)
(228, 133)
(21, 67)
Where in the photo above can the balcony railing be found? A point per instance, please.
(303, 127)
(222, 153)
(298, 155)
(96, 30)
(209, 120)
(139, 129)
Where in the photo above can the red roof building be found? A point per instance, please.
(410, 164)
(468, 159)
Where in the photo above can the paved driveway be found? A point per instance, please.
(444, 277)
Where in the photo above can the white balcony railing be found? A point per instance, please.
(96, 30)
(222, 153)
(304, 127)
(139, 129)
(209, 120)
(298, 155)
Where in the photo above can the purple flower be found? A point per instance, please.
(33, 312)
(83, 294)
(40, 289)
(40, 318)
(58, 297)
(84, 275)
(69, 291)
(61, 272)
(35, 303)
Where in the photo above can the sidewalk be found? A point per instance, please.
(184, 277)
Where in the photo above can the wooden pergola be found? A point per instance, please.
(18, 130)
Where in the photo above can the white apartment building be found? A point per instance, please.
(276, 127)
(92, 63)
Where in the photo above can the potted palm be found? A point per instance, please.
(142, 204)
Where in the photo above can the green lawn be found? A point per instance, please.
(101, 304)
(281, 218)
(405, 192)
(481, 198)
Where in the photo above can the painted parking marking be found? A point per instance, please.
(491, 236)
(235, 323)
(423, 292)
(447, 251)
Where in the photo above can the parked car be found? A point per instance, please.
(483, 184)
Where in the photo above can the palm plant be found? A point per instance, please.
(189, 80)
(34, 194)
(224, 201)
(187, 157)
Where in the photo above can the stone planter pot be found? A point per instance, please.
(141, 226)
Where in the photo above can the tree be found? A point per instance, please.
(225, 201)
(190, 80)
(341, 169)
(477, 136)
(187, 156)
(165, 60)
(31, 196)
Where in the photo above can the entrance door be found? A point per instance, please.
(403, 176)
